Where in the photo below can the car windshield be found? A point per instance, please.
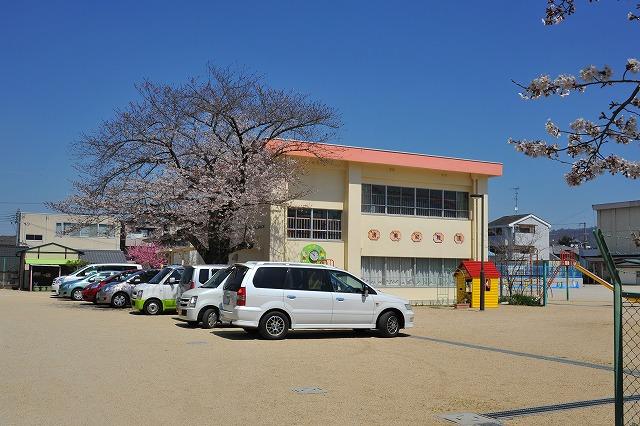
(160, 275)
(217, 278)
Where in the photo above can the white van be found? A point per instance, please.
(90, 269)
(271, 298)
(159, 294)
(195, 276)
(202, 304)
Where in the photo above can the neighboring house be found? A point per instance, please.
(517, 236)
(51, 244)
(620, 225)
(401, 221)
(9, 262)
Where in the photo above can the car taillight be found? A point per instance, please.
(192, 285)
(242, 296)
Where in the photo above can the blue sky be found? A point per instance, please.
(430, 77)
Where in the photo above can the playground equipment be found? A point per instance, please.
(468, 283)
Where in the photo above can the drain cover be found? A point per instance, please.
(309, 390)
(470, 419)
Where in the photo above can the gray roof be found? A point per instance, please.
(618, 205)
(8, 240)
(506, 220)
(103, 256)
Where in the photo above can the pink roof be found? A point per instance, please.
(392, 158)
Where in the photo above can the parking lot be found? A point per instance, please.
(67, 362)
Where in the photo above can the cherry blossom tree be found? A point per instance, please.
(198, 160)
(148, 255)
(592, 145)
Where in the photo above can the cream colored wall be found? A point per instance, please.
(332, 185)
(334, 250)
(427, 295)
(385, 246)
(45, 224)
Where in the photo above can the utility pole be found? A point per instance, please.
(584, 234)
(515, 197)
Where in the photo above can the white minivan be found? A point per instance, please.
(272, 298)
(159, 294)
(202, 304)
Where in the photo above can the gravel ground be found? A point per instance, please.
(75, 363)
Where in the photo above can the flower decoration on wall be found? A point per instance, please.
(395, 235)
(374, 234)
(438, 237)
(416, 236)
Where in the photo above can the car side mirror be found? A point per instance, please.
(171, 280)
(136, 280)
(91, 280)
(365, 291)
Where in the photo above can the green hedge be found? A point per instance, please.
(521, 299)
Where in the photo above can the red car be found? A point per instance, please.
(89, 292)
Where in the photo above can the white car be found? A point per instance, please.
(202, 304)
(88, 270)
(195, 276)
(272, 298)
(159, 294)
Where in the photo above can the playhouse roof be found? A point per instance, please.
(472, 268)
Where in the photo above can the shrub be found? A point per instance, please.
(523, 299)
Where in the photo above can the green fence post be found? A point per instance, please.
(618, 365)
(566, 281)
(544, 282)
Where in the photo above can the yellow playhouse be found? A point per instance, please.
(468, 283)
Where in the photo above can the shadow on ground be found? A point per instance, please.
(238, 334)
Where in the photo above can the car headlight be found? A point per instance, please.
(408, 306)
(192, 301)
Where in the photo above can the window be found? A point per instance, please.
(345, 283)
(269, 278)
(234, 281)
(414, 201)
(217, 278)
(400, 200)
(75, 230)
(203, 276)
(495, 231)
(526, 229)
(310, 279)
(374, 199)
(34, 237)
(318, 224)
(409, 272)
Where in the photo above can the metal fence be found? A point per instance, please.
(630, 348)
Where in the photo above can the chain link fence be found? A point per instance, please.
(630, 347)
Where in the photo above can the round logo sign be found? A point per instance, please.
(312, 253)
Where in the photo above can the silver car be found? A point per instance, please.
(118, 294)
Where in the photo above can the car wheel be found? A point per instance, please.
(274, 326)
(209, 318)
(76, 294)
(389, 324)
(119, 300)
(152, 307)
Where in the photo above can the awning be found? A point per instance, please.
(48, 261)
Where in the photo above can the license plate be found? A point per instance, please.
(184, 312)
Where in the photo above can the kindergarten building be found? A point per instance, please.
(401, 221)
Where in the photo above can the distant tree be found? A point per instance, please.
(198, 160)
(565, 240)
(588, 140)
(150, 255)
